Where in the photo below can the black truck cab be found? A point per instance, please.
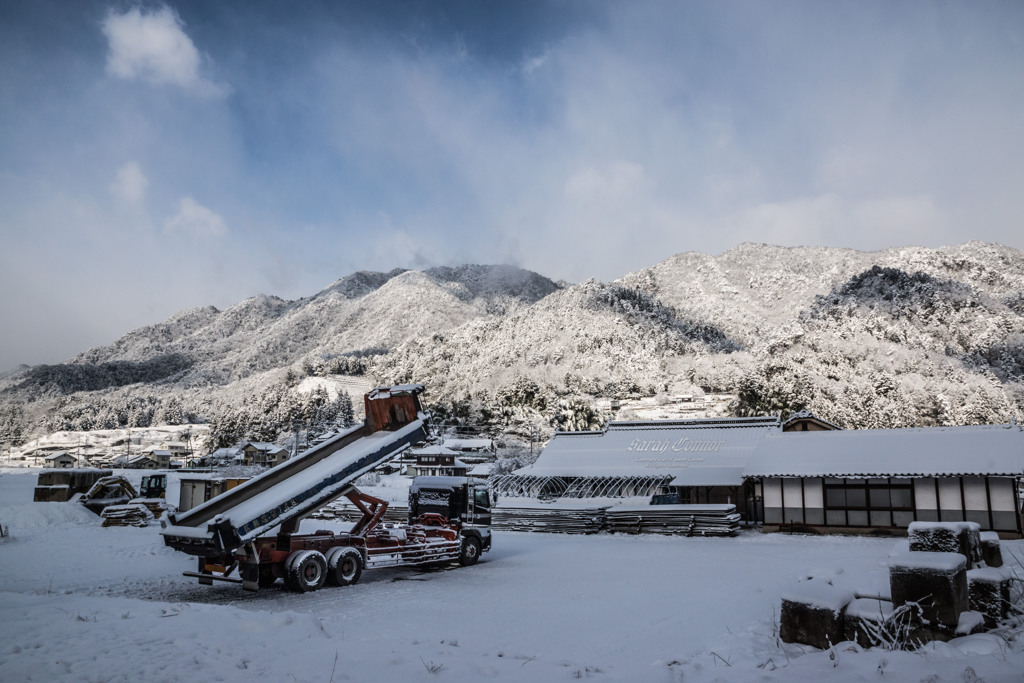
(465, 502)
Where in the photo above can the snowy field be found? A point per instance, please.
(80, 602)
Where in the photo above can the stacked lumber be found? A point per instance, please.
(686, 520)
(154, 505)
(126, 515)
(551, 518)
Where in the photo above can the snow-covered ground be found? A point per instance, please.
(86, 603)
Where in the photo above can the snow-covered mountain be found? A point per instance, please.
(362, 314)
(896, 337)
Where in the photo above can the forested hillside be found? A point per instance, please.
(900, 337)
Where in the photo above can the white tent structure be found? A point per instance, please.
(700, 460)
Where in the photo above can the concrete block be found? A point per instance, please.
(864, 621)
(991, 553)
(51, 494)
(988, 591)
(947, 537)
(813, 614)
(937, 582)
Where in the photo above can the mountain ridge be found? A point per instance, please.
(784, 327)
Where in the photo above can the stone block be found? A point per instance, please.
(947, 537)
(936, 581)
(988, 591)
(991, 553)
(813, 614)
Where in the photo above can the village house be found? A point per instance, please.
(869, 480)
(262, 453)
(61, 459)
(143, 461)
(437, 461)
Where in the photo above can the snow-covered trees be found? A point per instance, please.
(275, 411)
(12, 425)
(577, 415)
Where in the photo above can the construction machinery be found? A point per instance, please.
(226, 533)
(153, 486)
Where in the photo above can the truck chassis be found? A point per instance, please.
(306, 562)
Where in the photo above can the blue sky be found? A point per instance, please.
(155, 157)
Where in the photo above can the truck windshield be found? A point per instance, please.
(481, 498)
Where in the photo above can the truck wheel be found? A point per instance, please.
(470, 551)
(344, 566)
(306, 570)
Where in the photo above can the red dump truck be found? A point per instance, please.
(449, 517)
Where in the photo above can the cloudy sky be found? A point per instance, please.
(155, 157)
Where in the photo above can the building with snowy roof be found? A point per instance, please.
(60, 459)
(874, 479)
(695, 461)
(263, 453)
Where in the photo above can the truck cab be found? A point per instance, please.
(462, 502)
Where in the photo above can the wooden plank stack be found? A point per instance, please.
(154, 505)
(126, 515)
(553, 518)
(685, 520)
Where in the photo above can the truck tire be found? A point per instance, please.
(344, 566)
(470, 552)
(306, 570)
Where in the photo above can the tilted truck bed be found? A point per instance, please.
(287, 492)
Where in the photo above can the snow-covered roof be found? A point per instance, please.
(469, 444)
(691, 452)
(387, 392)
(929, 451)
(807, 415)
(264, 446)
(55, 456)
(433, 450)
(441, 482)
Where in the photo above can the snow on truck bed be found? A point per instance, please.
(301, 482)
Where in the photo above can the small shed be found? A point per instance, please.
(60, 460)
(197, 488)
(876, 479)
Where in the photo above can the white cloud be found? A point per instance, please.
(130, 184)
(195, 219)
(833, 220)
(153, 47)
(609, 182)
(533, 63)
